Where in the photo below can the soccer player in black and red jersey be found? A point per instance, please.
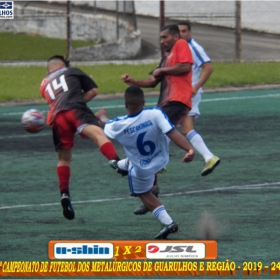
(67, 90)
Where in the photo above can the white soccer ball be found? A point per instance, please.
(33, 120)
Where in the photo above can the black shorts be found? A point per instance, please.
(176, 111)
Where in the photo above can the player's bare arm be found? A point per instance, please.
(206, 73)
(126, 78)
(89, 95)
(177, 70)
(149, 82)
(102, 115)
(181, 142)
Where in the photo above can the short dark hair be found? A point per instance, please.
(134, 92)
(172, 29)
(186, 23)
(134, 98)
(60, 57)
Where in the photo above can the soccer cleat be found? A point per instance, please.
(68, 211)
(210, 165)
(167, 229)
(163, 170)
(143, 209)
(114, 164)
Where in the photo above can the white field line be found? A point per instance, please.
(147, 104)
(245, 187)
(154, 103)
(122, 106)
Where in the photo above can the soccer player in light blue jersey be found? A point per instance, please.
(201, 61)
(143, 134)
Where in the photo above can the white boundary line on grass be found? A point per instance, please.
(121, 106)
(276, 95)
(245, 187)
(148, 104)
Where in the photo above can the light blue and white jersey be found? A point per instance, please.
(143, 138)
(199, 58)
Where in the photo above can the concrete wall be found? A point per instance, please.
(99, 29)
(125, 48)
(255, 15)
(126, 5)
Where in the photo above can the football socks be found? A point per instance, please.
(197, 142)
(108, 150)
(63, 173)
(162, 215)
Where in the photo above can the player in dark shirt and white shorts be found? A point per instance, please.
(67, 90)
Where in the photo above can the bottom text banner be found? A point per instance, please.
(131, 268)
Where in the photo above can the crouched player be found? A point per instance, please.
(143, 135)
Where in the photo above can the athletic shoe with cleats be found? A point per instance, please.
(143, 209)
(68, 211)
(210, 165)
(163, 170)
(114, 164)
(167, 229)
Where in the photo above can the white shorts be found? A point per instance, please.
(195, 103)
(139, 185)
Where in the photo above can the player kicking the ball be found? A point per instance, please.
(67, 90)
(143, 135)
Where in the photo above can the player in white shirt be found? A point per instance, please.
(143, 135)
(201, 61)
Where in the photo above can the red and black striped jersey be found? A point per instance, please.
(64, 88)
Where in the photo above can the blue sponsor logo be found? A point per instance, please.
(6, 10)
(85, 250)
(6, 5)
